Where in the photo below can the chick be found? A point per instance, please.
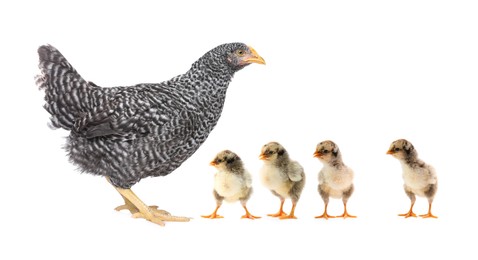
(335, 178)
(419, 178)
(282, 176)
(232, 182)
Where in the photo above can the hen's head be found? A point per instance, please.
(233, 56)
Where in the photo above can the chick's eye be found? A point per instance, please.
(396, 149)
(270, 152)
(325, 151)
(219, 161)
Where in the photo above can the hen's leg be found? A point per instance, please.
(140, 210)
(133, 209)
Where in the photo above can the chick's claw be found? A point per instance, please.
(325, 215)
(408, 214)
(288, 217)
(213, 216)
(278, 214)
(250, 216)
(429, 215)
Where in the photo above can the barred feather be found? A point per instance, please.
(129, 133)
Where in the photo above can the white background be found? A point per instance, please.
(361, 73)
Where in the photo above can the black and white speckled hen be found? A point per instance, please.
(128, 133)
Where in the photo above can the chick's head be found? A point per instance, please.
(401, 149)
(226, 160)
(327, 151)
(272, 151)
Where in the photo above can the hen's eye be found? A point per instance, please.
(240, 52)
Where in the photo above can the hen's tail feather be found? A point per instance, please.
(67, 94)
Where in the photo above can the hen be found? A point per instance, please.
(128, 133)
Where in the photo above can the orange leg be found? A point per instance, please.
(291, 214)
(409, 213)
(281, 212)
(214, 214)
(325, 215)
(429, 214)
(248, 214)
(346, 214)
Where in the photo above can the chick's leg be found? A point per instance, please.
(412, 199)
(248, 214)
(291, 214)
(214, 214)
(346, 214)
(281, 212)
(346, 195)
(325, 215)
(429, 214)
(430, 194)
(324, 193)
(219, 200)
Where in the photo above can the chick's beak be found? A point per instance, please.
(253, 57)
(317, 154)
(262, 157)
(213, 163)
(390, 152)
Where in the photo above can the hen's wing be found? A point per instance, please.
(135, 112)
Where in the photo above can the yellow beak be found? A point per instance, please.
(254, 57)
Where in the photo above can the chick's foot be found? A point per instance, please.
(325, 215)
(428, 215)
(212, 216)
(408, 214)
